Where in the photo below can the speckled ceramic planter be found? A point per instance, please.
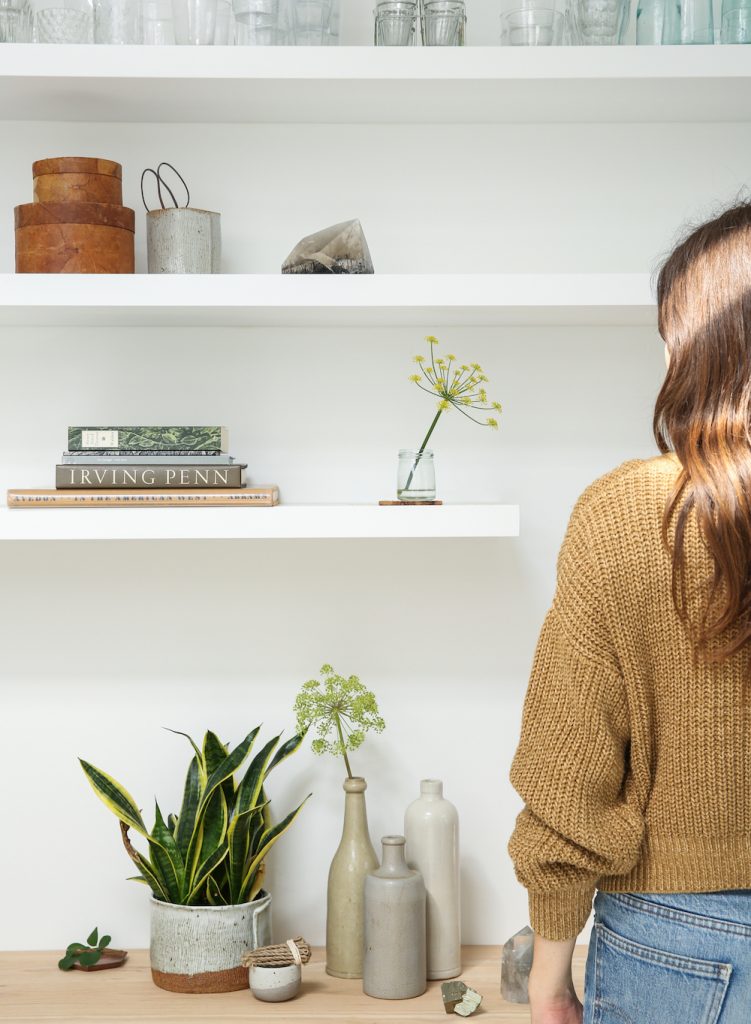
(199, 949)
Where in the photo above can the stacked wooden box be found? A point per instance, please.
(77, 223)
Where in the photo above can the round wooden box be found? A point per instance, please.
(79, 179)
(74, 238)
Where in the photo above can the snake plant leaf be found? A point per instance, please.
(257, 883)
(286, 750)
(191, 798)
(214, 751)
(114, 796)
(172, 823)
(94, 937)
(267, 840)
(210, 864)
(227, 767)
(249, 790)
(214, 893)
(199, 755)
(238, 836)
(148, 872)
(105, 941)
(166, 857)
(90, 957)
(215, 821)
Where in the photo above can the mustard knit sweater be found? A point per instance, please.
(634, 766)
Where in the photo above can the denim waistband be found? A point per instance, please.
(721, 909)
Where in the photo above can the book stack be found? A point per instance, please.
(137, 466)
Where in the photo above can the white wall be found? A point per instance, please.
(104, 644)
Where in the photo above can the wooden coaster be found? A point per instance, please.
(410, 502)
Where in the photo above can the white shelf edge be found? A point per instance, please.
(276, 299)
(284, 522)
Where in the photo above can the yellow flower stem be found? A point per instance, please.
(422, 448)
(344, 749)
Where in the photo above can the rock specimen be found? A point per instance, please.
(340, 249)
(516, 964)
(459, 998)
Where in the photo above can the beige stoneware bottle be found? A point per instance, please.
(395, 964)
(431, 827)
(353, 860)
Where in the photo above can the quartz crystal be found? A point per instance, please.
(516, 965)
(340, 249)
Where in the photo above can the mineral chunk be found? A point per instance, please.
(340, 249)
(459, 998)
(516, 964)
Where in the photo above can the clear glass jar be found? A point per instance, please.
(415, 480)
(118, 22)
(443, 22)
(14, 22)
(395, 23)
(62, 21)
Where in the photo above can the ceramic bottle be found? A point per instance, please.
(395, 943)
(431, 827)
(353, 860)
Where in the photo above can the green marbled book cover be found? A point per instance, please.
(147, 438)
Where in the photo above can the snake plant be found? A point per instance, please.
(212, 852)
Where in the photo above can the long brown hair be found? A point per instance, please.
(703, 414)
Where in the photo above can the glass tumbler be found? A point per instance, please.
(195, 22)
(395, 23)
(598, 22)
(14, 22)
(415, 479)
(157, 25)
(443, 22)
(658, 22)
(540, 26)
(224, 31)
(256, 22)
(62, 21)
(308, 22)
(117, 21)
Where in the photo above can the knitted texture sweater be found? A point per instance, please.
(634, 765)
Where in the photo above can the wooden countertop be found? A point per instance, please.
(33, 989)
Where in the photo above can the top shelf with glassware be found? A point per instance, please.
(358, 84)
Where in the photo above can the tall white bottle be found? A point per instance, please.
(431, 827)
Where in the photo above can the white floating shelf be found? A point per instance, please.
(284, 522)
(368, 84)
(428, 300)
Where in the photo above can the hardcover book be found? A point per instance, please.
(239, 497)
(94, 476)
(147, 438)
(136, 455)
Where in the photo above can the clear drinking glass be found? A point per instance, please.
(736, 23)
(697, 22)
(157, 25)
(395, 23)
(443, 22)
(195, 22)
(224, 31)
(117, 21)
(532, 27)
(62, 21)
(597, 22)
(658, 22)
(309, 22)
(415, 480)
(14, 22)
(256, 22)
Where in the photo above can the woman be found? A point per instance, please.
(634, 761)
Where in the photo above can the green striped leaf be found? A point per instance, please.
(210, 864)
(214, 824)
(186, 820)
(199, 755)
(249, 790)
(267, 840)
(166, 857)
(227, 768)
(286, 750)
(114, 796)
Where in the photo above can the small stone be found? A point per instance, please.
(340, 249)
(516, 964)
(469, 1003)
(453, 993)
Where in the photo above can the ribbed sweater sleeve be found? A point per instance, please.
(569, 765)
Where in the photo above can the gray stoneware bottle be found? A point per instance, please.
(395, 963)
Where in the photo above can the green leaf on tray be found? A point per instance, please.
(105, 941)
(89, 958)
(66, 963)
(94, 937)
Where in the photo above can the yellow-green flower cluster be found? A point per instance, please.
(455, 385)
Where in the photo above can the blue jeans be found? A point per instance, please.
(669, 958)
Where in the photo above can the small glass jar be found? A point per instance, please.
(62, 21)
(395, 23)
(15, 26)
(117, 22)
(415, 479)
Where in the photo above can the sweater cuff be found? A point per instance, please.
(560, 914)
